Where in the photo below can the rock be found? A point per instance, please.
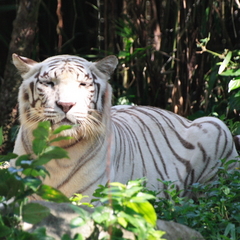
(176, 231)
(58, 223)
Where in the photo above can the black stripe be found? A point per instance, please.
(132, 138)
(126, 136)
(162, 130)
(142, 124)
(82, 161)
(25, 141)
(82, 190)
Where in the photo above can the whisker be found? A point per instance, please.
(91, 126)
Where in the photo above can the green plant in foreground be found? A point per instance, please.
(122, 207)
(16, 184)
(216, 214)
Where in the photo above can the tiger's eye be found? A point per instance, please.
(82, 84)
(51, 84)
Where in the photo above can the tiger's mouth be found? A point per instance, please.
(66, 121)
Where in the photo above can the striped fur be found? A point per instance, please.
(113, 144)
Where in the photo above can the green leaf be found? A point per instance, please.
(37, 171)
(229, 229)
(135, 221)
(84, 214)
(79, 236)
(1, 136)
(226, 190)
(39, 145)
(234, 84)
(231, 72)
(103, 215)
(8, 157)
(122, 221)
(77, 199)
(41, 161)
(142, 197)
(41, 134)
(54, 152)
(40, 234)
(234, 102)
(77, 222)
(117, 184)
(62, 128)
(156, 235)
(10, 185)
(5, 231)
(42, 131)
(21, 159)
(50, 153)
(212, 79)
(132, 191)
(51, 194)
(146, 210)
(66, 237)
(61, 138)
(122, 54)
(32, 183)
(225, 62)
(34, 213)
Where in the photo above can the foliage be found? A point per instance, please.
(16, 184)
(123, 207)
(215, 213)
(159, 61)
(229, 71)
(155, 40)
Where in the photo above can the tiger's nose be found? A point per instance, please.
(65, 106)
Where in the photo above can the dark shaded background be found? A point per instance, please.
(155, 41)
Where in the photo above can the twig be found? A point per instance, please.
(59, 25)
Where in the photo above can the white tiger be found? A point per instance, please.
(113, 144)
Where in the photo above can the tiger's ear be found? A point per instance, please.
(22, 64)
(107, 65)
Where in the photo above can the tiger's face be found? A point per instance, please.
(65, 90)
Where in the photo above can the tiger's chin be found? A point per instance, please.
(76, 135)
(73, 135)
(79, 132)
(71, 127)
(64, 122)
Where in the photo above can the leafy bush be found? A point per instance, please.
(223, 92)
(216, 214)
(123, 207)
(16, 184)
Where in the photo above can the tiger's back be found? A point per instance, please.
(160, 143)
(112, 144)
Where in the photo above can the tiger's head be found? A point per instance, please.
(65, 90)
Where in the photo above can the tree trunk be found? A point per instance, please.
(22, 43)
